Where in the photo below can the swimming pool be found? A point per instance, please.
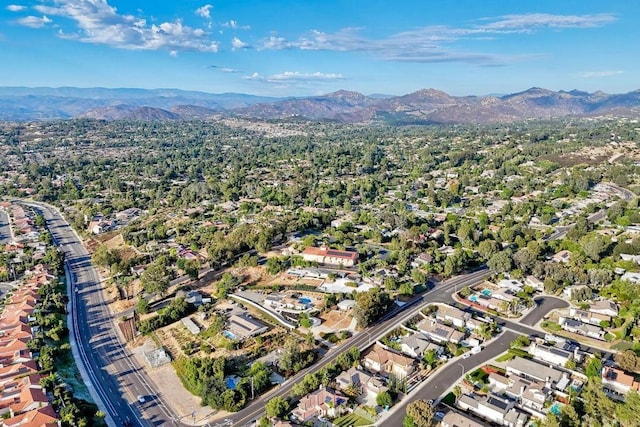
(229, 335)
(232, 382)
(305, 300)
(555, 408)
(473, 298)
(486, 292)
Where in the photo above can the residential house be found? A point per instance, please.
(534, 282)
(196, 298)
(279, 302)
(321, 403)
(578, 327)
(530, 369)
(362, 380)
(511, 284)
(346, 304)
(41, 417)
(530, 394)
(617, 383)
(324, 255)
(457, 317)
(439, 332)
(562, 257)
(493, 408)
(416, 345)
(588, 316)
(422, 260)
(604, 307)
(385, 361)
(631, 277)
(243, 326)
(551, 354)
(458, 419)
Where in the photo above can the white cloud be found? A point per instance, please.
(173, 53)
(434, 43)
(34, 21)
(527, 22)
(295, 76)
(204, 11)
(596, 74)
(234, 24)
(237, 44)
(98, 22)
(15, 8)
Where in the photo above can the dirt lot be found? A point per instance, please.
(336, 320)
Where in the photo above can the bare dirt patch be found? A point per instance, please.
(336, 320)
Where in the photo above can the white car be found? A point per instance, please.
(141, 398)
(466, 355)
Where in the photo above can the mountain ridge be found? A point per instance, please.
(422, 106)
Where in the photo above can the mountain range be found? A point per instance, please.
(427, 106)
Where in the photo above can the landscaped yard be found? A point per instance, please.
(351, 420)
(551, 326)
(512, 353)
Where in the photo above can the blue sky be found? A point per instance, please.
(306, 47)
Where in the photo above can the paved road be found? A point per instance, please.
(114, 374)
(5, 231)
(543, 306)
(449, 374)
(452, 372)
(256, 409)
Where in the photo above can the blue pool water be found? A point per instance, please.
(473, 298)
(486, 292)
(555, 409)
(231, 382)
(229, 334)
(305, 300)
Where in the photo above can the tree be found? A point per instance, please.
(105, 257)
(500, 262)
(390, 283)
(418, 276)
(421, 412)
(370, 306)
(408, 421)
(487, 248)
(155, 279)
(384, 399)
(226, 284)
(593, 246)
(142, 306)
(627, 412)
(593, 368)
(277, 407)
(520, 342)
(406, 289)
(276, 265)
(524, 259)
(627, 360)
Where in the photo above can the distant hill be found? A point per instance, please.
(43, 103)
(422, 107)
